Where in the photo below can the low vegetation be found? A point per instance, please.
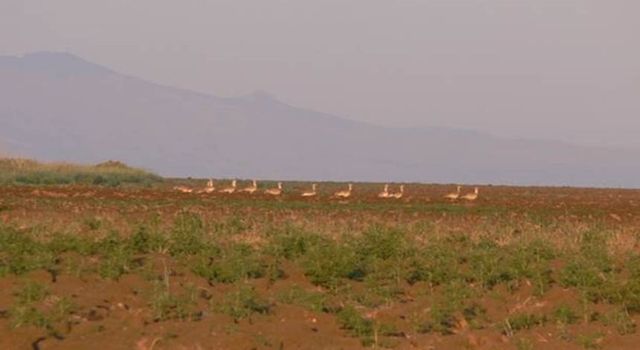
(29, 172)
(380, 282)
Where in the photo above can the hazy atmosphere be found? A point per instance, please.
(510, 92)
(326, 174)
(561, 69)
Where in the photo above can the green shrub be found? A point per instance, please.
(29, 172)
(627, 291)
(146, 240)
(475, 315)
(565, 315)
(61, 243)
(230, 264)
(591, 269)
(187, 235)
(351, 320)
(31, 292)
(620, 320)
(531, 260)
(590, 341)
(368, 330)
(21, 253)
(116, 256)
(522, 321)
(327, 262)
(27, 310)
(93, 223)
(313, 301)
(436, 264)
(27, 315)
(443, 319)
(489, 264)
(231, 226)
(168, 306)
(382, 255)
(242, 303)
(380, 243)
(291, 243)
(452, 300)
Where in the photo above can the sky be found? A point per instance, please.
(555, 69)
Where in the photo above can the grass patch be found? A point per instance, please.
(111, 173)
(35, 306)
(243, 302)
(296, 295)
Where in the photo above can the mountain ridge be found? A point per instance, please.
(57, 106)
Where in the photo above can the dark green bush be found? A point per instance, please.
(230, 264)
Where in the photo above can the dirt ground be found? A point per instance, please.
(115, 313)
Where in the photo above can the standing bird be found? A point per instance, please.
(471, 196)
(385, 192)
(455, 195)
(230, 189)
(251, 189)
(344, 194)
(275, 191)
(398, 195)
(209, 188)
(311, 193)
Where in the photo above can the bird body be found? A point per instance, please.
(455, 195)
(311, 193)
(183, 189)
(251, 189)
(385, 192)
(275, 191)
(471, 196)
(209, 188)
(230, 189)
(398, 195)
(344, 194)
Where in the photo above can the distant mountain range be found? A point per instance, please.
(56, 106)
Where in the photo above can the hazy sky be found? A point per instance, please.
(562, 69)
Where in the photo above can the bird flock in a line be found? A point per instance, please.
(313, 192)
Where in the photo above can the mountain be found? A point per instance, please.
(56, 106)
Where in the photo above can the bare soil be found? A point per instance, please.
(115, 313)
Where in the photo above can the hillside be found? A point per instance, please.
(56, 106)
(14, 171)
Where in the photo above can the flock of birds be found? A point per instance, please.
(313, 192)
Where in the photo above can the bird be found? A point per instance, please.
(455, 195)
(471, 196)
(230, 189)
(183, 189)
(344, 194)
(275, 191)
(251, 189)
(398, 195)
(385, 192)
(311, 193)
(209, 188)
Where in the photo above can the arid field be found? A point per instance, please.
(147, 267)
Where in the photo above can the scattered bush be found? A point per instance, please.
(29, 172)
(522, 321)
(619, 319)
(242, 303)
(229, 264)
(565, 315)
(313, 301)
(169, 306)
